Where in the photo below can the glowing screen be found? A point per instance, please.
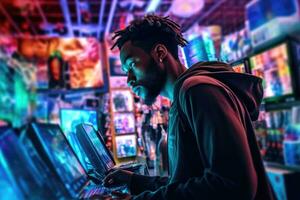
(240, 68)
(69, 120)
(100, 148)
(126, 145)
(124, 123)
(70, 63)
(122, 100)
(273, 66)
(61, 155)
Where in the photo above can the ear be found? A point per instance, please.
(159, 52)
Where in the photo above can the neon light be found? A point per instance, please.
(152, 6)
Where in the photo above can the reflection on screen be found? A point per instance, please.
(273, 67)
(126, 145)
(73, 140)
(8, 187)
(69, 120)
(44, 175)
(67, 166)
(21, 167)
(100, 148)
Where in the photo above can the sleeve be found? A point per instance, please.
(222, 142)
(141, 183)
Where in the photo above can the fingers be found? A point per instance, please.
(109, 179)
(111, 170)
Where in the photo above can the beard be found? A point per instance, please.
(152, 83)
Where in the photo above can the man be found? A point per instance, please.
(211, 143)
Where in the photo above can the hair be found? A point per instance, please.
(149, 31)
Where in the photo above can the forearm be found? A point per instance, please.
(140, 183)
(209, 187)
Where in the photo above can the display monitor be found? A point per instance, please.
(50, 182)
(239, 67)
(124, 123)
(77, 57)
(95, 149)
(256, 13)
(235, 46)
(273, 66)
(126, 145)
(83, 57)
(16, 92)
(22, 168)
(57, 63)
(122, 100)
(99, 145)
(259, 12)
(195, 51)
(59, 156)
(115, 66)
(69, 119)
(8, 186)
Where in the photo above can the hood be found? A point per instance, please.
(246, 87)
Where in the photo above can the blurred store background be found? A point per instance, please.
(56, 67)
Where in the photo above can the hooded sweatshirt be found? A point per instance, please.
(212, 147)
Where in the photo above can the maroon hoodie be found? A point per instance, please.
(212, 147)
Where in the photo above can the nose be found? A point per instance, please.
(130, 78)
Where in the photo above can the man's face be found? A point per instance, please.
(144, 75)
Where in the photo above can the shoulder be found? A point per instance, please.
(198, 80)
(200, 87)
(204, 95)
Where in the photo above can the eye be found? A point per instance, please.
(131, 66)
(126, 69)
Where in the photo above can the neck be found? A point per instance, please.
(174, 69)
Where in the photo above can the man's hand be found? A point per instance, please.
(118, 177)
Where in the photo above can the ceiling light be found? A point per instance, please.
(186, 8)
(152, 6)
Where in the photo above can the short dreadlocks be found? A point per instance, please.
(149, 31)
